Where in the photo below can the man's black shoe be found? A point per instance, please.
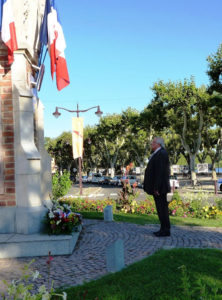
(162, 233)
(156, 232)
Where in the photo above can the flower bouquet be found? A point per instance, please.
(60, 219)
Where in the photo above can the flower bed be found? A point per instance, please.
(194, 205)
(81, 204)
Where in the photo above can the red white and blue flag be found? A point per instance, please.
(8, 33)
(52, 34)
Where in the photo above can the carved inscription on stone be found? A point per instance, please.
(25, 17)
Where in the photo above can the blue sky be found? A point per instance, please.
(117, 49)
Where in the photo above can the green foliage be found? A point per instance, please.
(61, 149)
(181, 108)
(200, 289)
(184, 274)
(80, 204)
(126, 196)
(176, 206)
(209, 212)
(214, 70)
(144, 207)
(194, 205)
(60, 184)
(177, 197)
(218, 202)
(21, 289)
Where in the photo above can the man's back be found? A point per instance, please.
(157, 173)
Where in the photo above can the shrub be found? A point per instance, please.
(218, 202)
(209, 212)
(127, 195)
(21, 288)
(80, 204)
(194, 205)
(177, 207)
(144, 207)
(60, 184)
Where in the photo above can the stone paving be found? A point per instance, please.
(88, 261)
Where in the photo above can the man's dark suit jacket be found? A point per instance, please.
(157, 173)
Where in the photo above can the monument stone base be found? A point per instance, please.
(24, 220)
(25, 245)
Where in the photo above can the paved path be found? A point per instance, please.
(88, 260)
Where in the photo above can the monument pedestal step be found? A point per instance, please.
(25, 245)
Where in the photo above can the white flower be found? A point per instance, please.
(48, 204)
(66, 206)
(46, 296)
(51, 215)
(57, 223)
(35, 275)
(42, 289)
(64, 297)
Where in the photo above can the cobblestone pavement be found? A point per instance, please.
(88, 261)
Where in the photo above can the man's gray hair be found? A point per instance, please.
(160, 141)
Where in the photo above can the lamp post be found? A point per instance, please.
(56, 114)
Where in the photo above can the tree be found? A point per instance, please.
(61, 149)
(91, 155)
(182, 105)
(215, 71)
(111, 137)
(173, 145)
(212, 145)
(137, 138)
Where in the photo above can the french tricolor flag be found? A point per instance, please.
(52, 33)
(8, 33)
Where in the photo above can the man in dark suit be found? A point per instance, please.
(157, 183)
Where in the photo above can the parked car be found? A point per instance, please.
(115, 180)
(106, 180)
(97, 178)
(131, 179)
(174, 182)
(84, 178)
(89, 178)
(219, 184)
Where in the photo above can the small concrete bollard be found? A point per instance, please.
(108, 213)
(169, 197)
(115, 256)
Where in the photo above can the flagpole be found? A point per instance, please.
(56, 114)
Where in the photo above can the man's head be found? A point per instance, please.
(156, 143)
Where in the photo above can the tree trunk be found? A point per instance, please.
(197, 142)
(192, 161)
(112, 173)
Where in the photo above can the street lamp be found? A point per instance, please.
(56, 114)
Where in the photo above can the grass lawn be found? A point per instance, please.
(153, 219)
(168, 274)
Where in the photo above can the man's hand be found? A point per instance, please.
(156, 193)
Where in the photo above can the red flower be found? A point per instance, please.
(50, 258)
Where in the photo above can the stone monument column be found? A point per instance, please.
(24, 164)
